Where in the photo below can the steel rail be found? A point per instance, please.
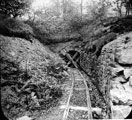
(88, 97)
(71, 91)
(65, 115)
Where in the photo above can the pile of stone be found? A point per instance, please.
(118, 55)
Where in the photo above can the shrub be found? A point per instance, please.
(41, 30)
(15, 28)
(13, 7)
(24, 91)
(78, 22)
(75, 23)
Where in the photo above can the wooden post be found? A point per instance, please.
(70, 58)
(73, 58)
(81, 6)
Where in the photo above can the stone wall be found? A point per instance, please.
(116, 75)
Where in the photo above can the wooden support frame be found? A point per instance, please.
(71, 59)
(75, 55)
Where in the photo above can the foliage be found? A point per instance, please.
(14, 7)
(70, 9)
(40, 29)
(100, 9)
(44, 30)
(56, 18)
(98, 94)
(76, 23)
(127, 4)
(121, 25)
(119, 5)
(24, 91)
(54, 31)
(17, 28)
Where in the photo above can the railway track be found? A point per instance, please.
(75, 103)
(78, 105)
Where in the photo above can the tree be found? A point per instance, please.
(128, 6)
(100, 9)
(81, 6)
(68, 9)
(14, 8)
(119, 5)
(57, 7)
(63, 9)
(123, 3)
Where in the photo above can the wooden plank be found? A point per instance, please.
(73, 58)
(73, 62)
(77, 59)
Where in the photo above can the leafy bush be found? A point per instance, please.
(46, 27)
(98, 94)
(41, 30)
(99, 41)
(15, 28)
(14, 7)
(77, 22)
(33, 90)
(49, 32)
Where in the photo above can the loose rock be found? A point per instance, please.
(120, 111)
(130, 81)
(115, 71)
(120, 79)
(127, 73)
(125, 57)
(24, 118)
(122, 94)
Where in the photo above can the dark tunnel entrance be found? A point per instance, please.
(75, 55)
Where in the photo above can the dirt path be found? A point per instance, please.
(75, 103)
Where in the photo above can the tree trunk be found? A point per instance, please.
(63, 9)
(81, 6)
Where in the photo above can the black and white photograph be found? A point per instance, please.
(66, 59)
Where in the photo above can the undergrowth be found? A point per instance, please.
(23, 92)
(13, 27)
(91, 65)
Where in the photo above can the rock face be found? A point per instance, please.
(125, 56)
(116, 59)
(127, 73)
(130, 81)
(119, 112)
(24, 118)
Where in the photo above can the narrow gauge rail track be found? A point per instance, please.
(79, 99)
(78, 105)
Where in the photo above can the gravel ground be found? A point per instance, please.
(55, 114)
(77, 115)
(64, 99)
(79, 84)
(78, 98)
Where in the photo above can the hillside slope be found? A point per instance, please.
(31, 75)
